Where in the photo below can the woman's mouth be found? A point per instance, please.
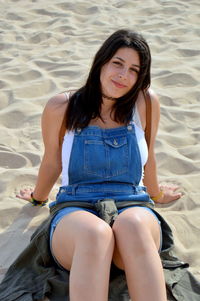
(118, 85)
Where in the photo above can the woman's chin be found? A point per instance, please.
(112, 95)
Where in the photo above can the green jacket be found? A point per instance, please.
(34, 274)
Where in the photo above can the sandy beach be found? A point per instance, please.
(48, 48)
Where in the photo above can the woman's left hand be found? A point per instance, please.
(170, 193)
(25, 194)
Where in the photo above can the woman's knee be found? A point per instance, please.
(81, 233)
(136, 227)
(96, 236)
(128, 224)
(83, 229)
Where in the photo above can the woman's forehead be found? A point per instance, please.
(127, 54)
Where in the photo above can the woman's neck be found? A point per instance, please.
(107, 105)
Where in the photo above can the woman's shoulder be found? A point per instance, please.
(153, 95)
(154, 101)
(53, 117)
(60, 100)
(57, 105)
(57, 101)
(154, 98)
(141, 105)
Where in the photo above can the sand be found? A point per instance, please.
(46, 48)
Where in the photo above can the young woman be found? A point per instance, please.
(95, 137)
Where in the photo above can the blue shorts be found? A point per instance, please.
(65, 211)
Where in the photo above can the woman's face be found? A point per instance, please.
(120, 74)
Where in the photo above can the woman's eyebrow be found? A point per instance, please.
(119, 58)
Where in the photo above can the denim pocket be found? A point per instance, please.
(106, 158)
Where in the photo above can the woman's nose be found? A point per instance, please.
(123, 73)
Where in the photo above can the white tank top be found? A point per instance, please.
(68, 141)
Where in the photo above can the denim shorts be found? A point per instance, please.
(65, 211)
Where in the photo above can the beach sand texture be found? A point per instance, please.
(46, 48)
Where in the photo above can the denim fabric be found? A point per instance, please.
(100, 155)
(104, 163)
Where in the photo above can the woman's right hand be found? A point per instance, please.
(25, 194)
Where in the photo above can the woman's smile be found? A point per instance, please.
(117, 84)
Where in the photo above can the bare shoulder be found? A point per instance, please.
(155, 105)
(154, 100)
(53, 118)
(57, 105)
(154, 97)
(141, 106)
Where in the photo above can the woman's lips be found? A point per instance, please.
(118, 85)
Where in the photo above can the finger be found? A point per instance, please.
(178, 196)
(18, 196)
(168, 197)
(24, 198)
(175, 188)
(22, 192)
(175, 197)
(170, 190)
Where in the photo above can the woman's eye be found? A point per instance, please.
(134, 70)
(117, 63)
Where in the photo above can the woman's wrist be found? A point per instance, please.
(158, 197)
(36, 202)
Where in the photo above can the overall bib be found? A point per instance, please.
(104, 163)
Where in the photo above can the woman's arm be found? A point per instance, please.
(53, 119)
(150, 174)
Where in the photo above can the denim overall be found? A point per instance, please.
(104, 163)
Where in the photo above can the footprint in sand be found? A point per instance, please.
(10, 160)
(12, 119)
(33, 158)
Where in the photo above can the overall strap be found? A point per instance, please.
(147, 98)
(63, 126)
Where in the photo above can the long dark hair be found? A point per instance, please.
(85, 103)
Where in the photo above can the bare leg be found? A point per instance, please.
(83, 244)
(137, 237)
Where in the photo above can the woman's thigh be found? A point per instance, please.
(134, 225)
(77, 229)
